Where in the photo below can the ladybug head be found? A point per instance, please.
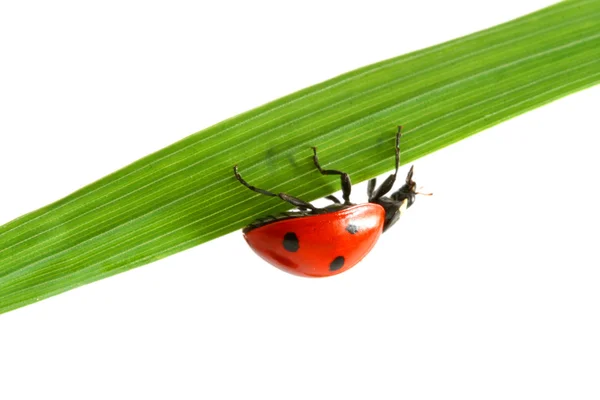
(398, 201)
(407, 191)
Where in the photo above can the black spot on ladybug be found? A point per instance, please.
(352, 228)
(337, 263)
(290, 242)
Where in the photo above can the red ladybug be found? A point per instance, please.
(320, 242)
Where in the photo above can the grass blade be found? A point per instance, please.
(185, 194)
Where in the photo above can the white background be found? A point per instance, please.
(487, 290)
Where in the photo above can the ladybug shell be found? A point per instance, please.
(322, 244)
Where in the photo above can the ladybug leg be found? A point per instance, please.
(345, 179)
(300, 204)
(371, 187)
(333, 198)
(387, 185)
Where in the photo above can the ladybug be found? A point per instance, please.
(319, 242)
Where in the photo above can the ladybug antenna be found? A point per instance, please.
(418, 191)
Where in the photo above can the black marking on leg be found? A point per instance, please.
(352, 228)
(337, 263)
(290, 242)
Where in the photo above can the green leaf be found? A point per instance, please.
(186, 194)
